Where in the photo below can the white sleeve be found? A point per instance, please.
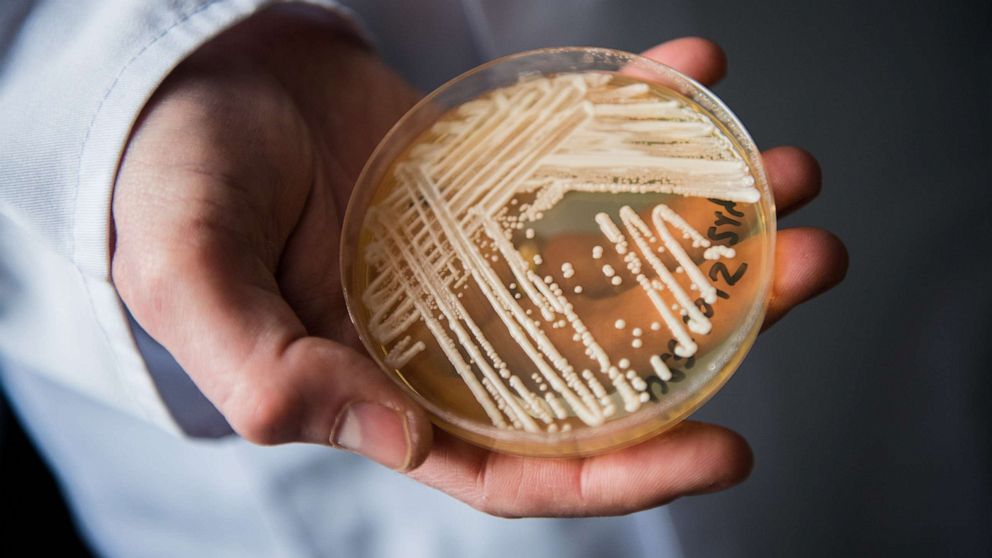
(73, 78)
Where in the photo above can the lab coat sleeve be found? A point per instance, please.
(74, 76)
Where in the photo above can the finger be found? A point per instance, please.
(692, 458)
(794, 176)
(204, 294)
(698, 58)
(808, 262)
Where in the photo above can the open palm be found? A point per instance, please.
(227, 213)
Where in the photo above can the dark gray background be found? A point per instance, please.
(867, 408)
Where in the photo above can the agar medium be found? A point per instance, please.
(561, 252)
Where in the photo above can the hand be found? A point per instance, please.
(227, 213)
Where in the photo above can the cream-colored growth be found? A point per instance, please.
(456, 191)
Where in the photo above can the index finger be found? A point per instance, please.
(691, 458)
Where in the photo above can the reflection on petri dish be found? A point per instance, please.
(561, 252)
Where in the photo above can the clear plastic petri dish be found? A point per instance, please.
(561, 252)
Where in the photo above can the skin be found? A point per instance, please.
(227, 213)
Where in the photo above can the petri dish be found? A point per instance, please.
(561, 252)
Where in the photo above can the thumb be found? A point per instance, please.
(217, 308)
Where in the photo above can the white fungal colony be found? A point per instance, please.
(451, 217)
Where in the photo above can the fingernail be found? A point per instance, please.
(375, 431)
(713, 487)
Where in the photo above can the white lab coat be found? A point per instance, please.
(149, 467)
